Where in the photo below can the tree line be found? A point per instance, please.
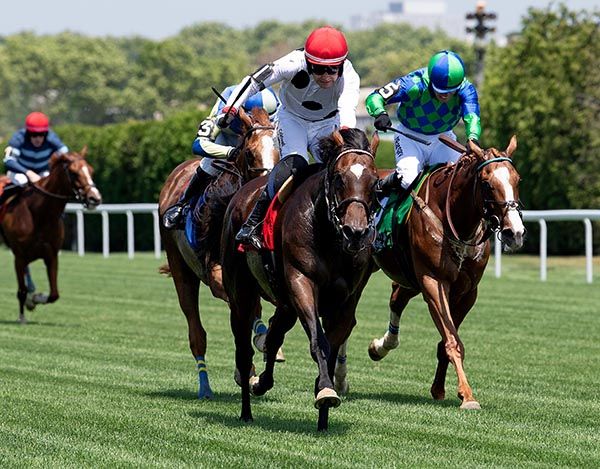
(136, 102)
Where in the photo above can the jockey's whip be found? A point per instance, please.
(412, 137)
(219, 95)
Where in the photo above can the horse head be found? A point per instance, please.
(79, 175)
(350, 180)
(499, 182)
(258, 152)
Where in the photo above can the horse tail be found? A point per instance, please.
(165, 270)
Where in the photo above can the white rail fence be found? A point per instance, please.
(541, 216)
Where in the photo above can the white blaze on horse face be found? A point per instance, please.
(268, 151)
(357, 170)
(89, 182)
(503, 175)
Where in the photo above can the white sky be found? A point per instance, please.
(158, 19)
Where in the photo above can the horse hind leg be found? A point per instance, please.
(380, 347)
(187, 285)
(259, 340)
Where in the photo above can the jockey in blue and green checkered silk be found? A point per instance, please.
(431, 101)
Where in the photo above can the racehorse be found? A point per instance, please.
(32, 225)
(322, 261)
(444, 247)
(189, 267)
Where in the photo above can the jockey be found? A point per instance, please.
(431, 102)
(28, 153)
(214, 142)
(319, 93)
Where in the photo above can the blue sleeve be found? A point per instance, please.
(11, 164)
(469, 99)
(55, 142)
(17, 140)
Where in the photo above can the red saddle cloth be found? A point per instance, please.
(268, 228)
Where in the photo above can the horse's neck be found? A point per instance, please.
(464, 204)
(53, 184)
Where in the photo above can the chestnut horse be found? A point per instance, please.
(322, 259)
(32, 225)
(187, 267)
(443, 249)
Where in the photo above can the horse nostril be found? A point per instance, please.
(353, 233)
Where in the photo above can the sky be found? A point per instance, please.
(158, 19)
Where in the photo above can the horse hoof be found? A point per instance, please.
(342, 388)
(280, 357)
(205, 394)
(40, 298)
(470, 405)
(328, 397)
(373, 355)
(29, 302)
(259, 342)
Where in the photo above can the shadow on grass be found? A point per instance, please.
(16, 323)
(270, 423)
(399, 398)
(187, 395)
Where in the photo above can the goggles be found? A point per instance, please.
(325, 69)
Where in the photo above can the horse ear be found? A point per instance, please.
(54, 158)
(83, 151)
(512, 145)
(374, 143)
(244, 117)
(337, 138)
(472, 147)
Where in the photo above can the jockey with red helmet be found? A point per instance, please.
(28, 153)
(319, 93)
(213, 142)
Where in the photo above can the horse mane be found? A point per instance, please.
(260, 116)
(351, 139)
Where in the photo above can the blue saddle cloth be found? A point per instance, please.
(191, 232)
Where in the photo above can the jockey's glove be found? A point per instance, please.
(233, 154)
(229, 113)
(382, 122)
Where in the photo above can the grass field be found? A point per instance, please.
(104, 378)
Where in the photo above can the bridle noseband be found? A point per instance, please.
(248, 169)
(335, 207)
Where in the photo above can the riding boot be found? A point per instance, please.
(248, 233)
(388, 184)
(173, 217)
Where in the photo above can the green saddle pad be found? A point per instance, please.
(396, 211)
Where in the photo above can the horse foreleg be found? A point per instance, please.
(436, 295)
(379, 348)
(260, 335)
(51, 262)
(340, 381)
(20, 268)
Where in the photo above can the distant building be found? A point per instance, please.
(431, 14)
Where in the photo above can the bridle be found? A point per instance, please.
(336, 207)
(493, 222)
(247, 168)
(78, 191)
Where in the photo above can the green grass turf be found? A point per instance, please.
(104, 378)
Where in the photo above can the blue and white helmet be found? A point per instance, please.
(267, 99)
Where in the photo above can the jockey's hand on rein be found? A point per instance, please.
(233, 154)
(229, 113)
(382, 122)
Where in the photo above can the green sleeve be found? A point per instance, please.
(472, 126)
(375, 104)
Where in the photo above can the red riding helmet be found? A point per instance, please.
(326, 46)
(37, 122)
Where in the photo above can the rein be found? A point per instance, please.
(334, 207)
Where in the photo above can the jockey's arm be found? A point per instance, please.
(348, 100)
(204, 144)
(470, 111)
(11, 160)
